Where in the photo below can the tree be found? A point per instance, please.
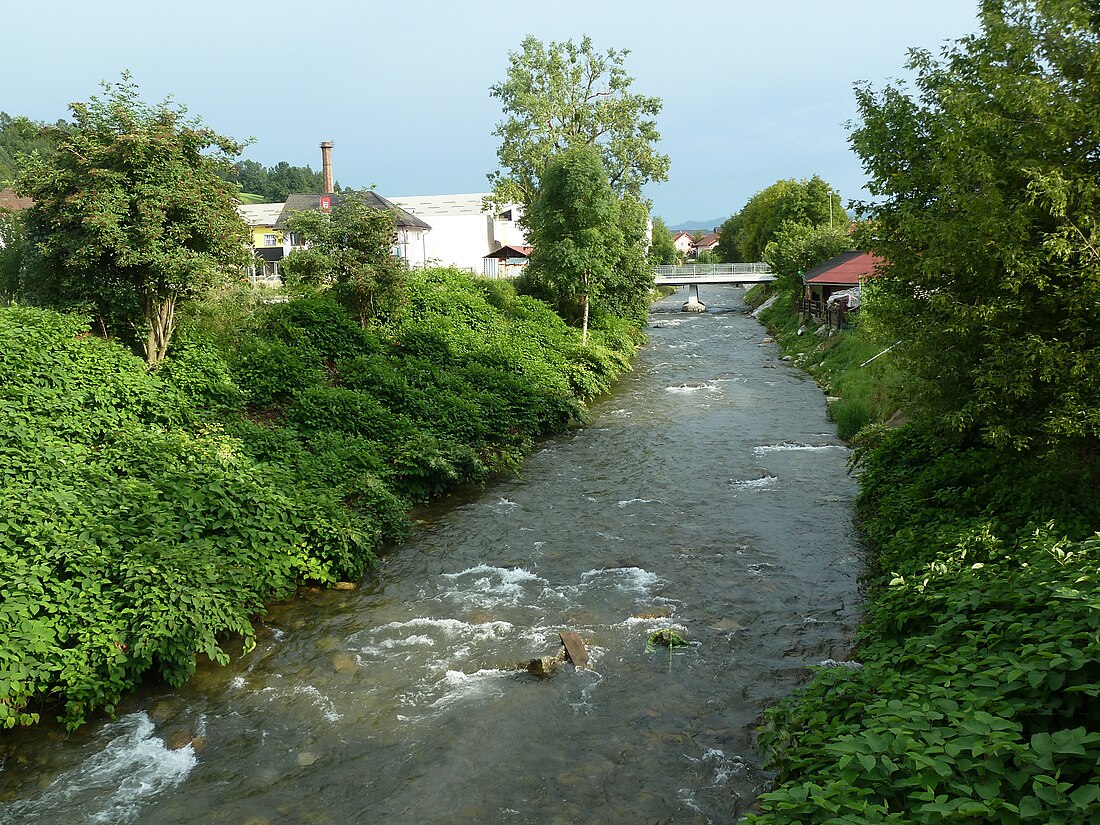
(662, 250)
(811, 201)
(131, 215)
(351, 251)
(575, 229)
(993, 237)
(20, 137)
(564, 94)
(275, 183)
(11, 254)
(798, 247)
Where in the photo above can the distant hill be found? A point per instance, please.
(704, 226)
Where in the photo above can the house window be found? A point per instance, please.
(271, 240)
(296, 239)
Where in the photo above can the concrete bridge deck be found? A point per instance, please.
(692, 275)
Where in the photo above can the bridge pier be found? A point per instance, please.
(693, 303)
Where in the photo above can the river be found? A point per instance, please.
(709, 496)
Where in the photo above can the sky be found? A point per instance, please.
(753, 92)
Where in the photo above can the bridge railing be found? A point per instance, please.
(703, 270)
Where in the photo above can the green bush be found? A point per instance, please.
(980, 649)
(146, 517)
(317, 323)
(271, 372)
(199, 371)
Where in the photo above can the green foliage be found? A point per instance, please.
(995, 278)
(129, 539)
(662, 250)
(797, 248)
(351, 250)
(575, 230)
(979, 650)
(11, 255)
(746, 235)
(147, 516)
(850, 365)
(560, 95)
(130, 215)
(274, 184)
(19, 138)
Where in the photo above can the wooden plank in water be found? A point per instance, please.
(575, 649)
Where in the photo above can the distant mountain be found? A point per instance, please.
(704, 226)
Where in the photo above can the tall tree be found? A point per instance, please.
(564, 94)
(811, 201)
(351, 251)
(11, 254)
(575, 229)
(20, 137)
(798, 247)
(662, 249)
(131, 215)
(988, 180)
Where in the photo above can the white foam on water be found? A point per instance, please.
(237, 682)
(457, 685)
(758, 568)
(788, 446)
(424, 632)
(504, 505)
(835, 663)
(624, 578)
(725, 767)
(764, 483)
(629, 501)
(690, 388)
(320, 701)
(114, 784)
(608, 536)
(486, 586)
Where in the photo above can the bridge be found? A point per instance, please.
(691, 275)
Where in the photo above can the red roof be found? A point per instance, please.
(846, 269)
(12, 202)
(512, 252)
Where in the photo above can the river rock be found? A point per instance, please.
(305, 758)
(345, 663)
(660, 613)
(544, 665)
(344, 586)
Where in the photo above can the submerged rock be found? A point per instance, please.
(545, 665)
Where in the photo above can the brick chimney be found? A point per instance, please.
(326, 165)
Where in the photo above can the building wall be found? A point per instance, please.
(462, 233)
(683, 244)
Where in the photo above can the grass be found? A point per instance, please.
(866, 391)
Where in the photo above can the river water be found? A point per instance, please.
(708, 496)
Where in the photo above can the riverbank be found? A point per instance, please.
(146, 516)
(680, 506)
(968, 697)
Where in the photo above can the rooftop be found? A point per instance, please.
(847, 269)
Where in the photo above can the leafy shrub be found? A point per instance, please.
(980, 649)
(273, 372)
(199, 371)
(137, 531)
(317, 323)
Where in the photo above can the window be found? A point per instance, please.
(296, 239)
(271, 239)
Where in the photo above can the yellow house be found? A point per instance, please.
(267, 241)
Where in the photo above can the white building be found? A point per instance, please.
(463, 232)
